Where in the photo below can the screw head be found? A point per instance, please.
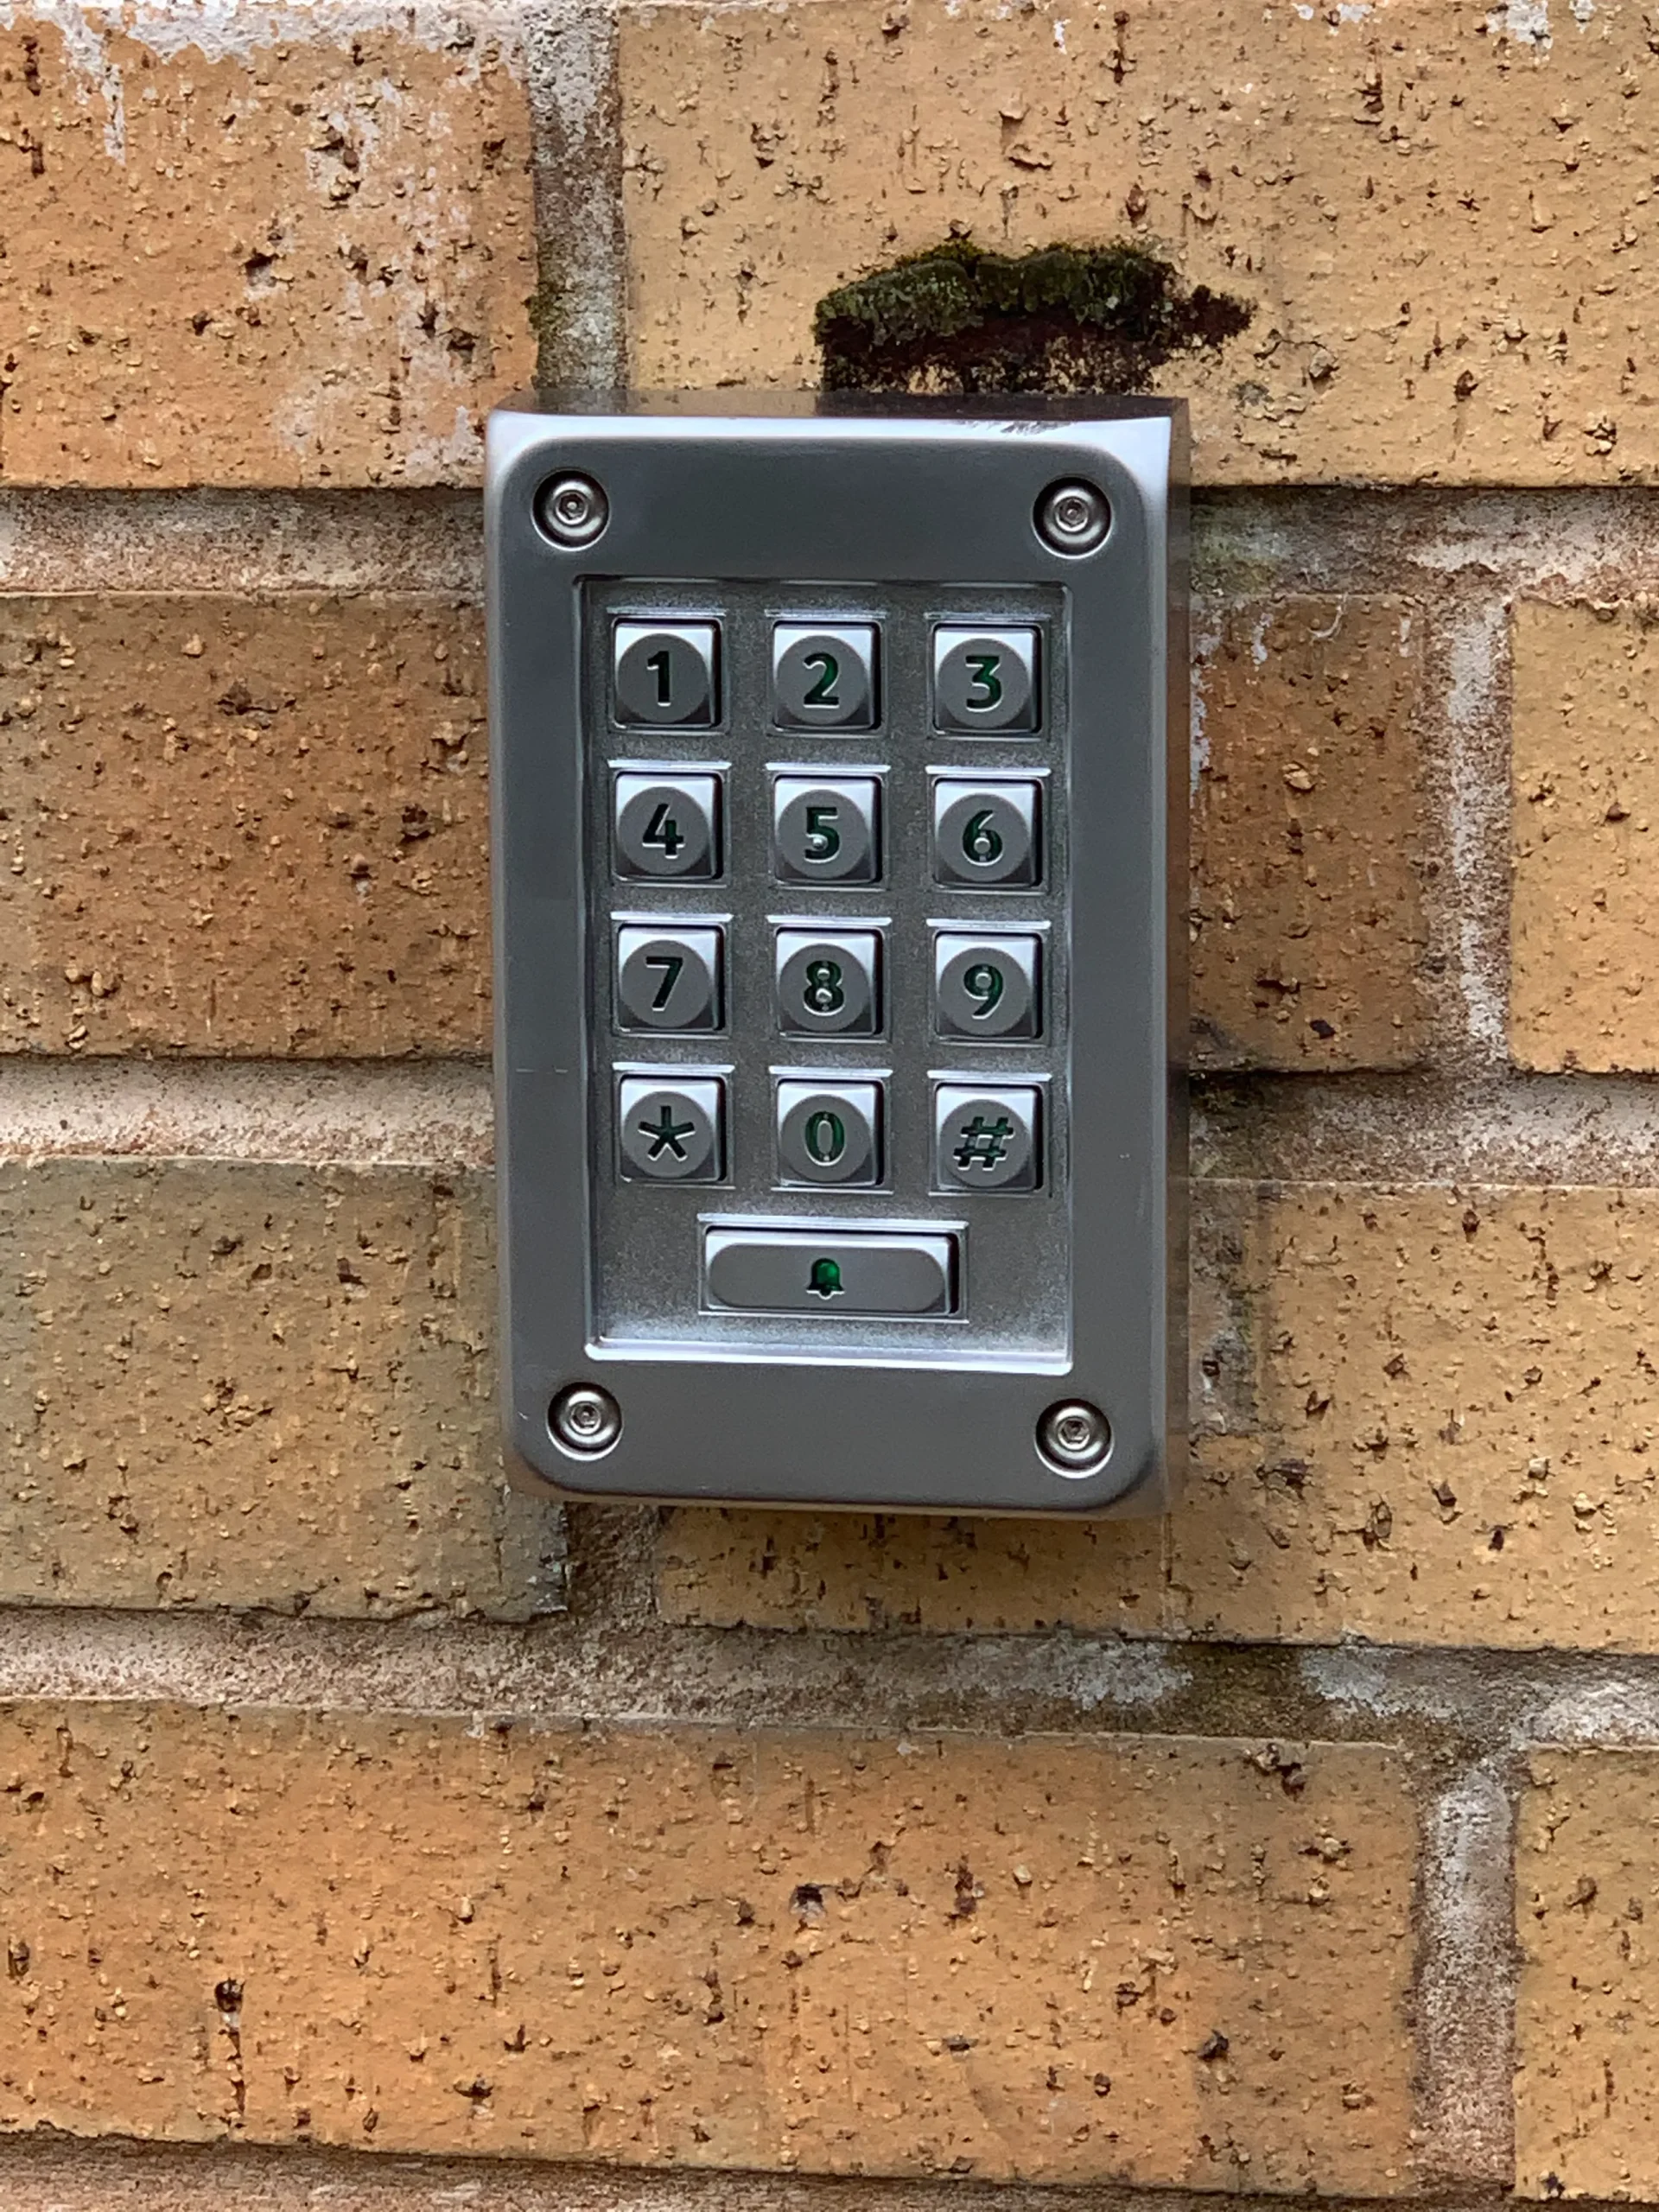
(585, 1419)
(572, 510)
(1073, 517)
(1074, 1437)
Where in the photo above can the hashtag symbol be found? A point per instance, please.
(983, 1143)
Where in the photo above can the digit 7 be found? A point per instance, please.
(671, 963)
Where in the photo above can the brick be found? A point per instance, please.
(243, 825)
(1153, 1960)
(229, 1385)
(1586, 1891)
(1583, 930)
(1426, 1416)
(1308, 932)
(247, 257)
(1440, 222)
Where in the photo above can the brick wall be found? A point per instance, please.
(366, 1831)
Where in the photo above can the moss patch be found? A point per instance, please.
(957, 318)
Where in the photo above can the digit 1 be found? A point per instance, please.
(660, 665)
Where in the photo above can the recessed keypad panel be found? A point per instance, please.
(831, 839)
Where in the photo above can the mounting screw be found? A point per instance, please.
(1074, 1437)
(585, 1419)
(572, 510)
(1073, 517)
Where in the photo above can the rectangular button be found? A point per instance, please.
(793, 1271)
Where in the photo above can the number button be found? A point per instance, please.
(668, 979)
(670, 1131)
(826, 833)
(666, 675)
(984, 679)
(666, 829)
(986, 1140)
(829, 1135)
(829, 986)
(986, 834)
(986, 985)
(823, 678)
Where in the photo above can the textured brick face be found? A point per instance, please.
(1587, 1896)
(1308, 924)
(1440, 223)
(1147, 1959)
(1432, 1422)
(252, 826)
(304, 263)
(1585, 923)
(254, 1386)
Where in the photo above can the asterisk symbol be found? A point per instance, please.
(665, 1133)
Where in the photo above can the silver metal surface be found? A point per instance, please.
(585, 1419)
(1073, 519)
(988, 835)
(823, 678)
(829, 986)
(668, 829)
(668, 979)
(672, 1132)
(666, 676)
(985, 679)
(727, 519)
(831, 1273)
(986, 985)
(827, 830)
(987, 1139)
(1075, 1436)
(830, 1134)
(572, 510)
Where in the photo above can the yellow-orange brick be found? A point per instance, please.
(1438, 1424)
(234, 825)
(255, 1386)
(1307, 923)
(1586, 1895)
(1140, 1959)
(1585, 921)
(1437, 215)
(232, 258)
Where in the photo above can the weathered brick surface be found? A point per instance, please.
(1426, 1416)
(1584, 922)
(243, 825)
(1308, 932)
(255, 1386)
(1587, 1896)
(1147, 1959)
(237, 257)
(1439, 215)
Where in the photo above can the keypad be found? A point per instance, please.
(827, 831)
(984, 680)
(670, 1133)
(668, 829)
(987, 835)
(666, 676)
(836, 992)
(823, 677)
(669, 982)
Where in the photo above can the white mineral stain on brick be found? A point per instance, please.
(1479, 817)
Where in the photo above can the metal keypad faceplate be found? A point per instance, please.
(823, 986)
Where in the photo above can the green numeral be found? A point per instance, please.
(823, 693)
(822, 838)
(986, 679)
(980, 841)
(983, 984)
(670, 964)
(825, 1136)
(662, 668)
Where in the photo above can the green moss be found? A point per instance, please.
(957, 318)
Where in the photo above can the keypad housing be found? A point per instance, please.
(839, 1261)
